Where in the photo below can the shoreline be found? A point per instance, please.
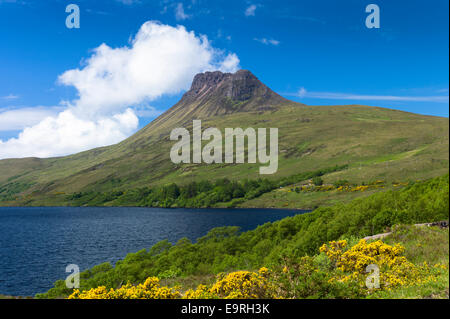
(172, 208)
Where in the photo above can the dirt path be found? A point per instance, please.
(442, 224)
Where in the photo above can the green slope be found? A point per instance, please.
(376, 143)
(226, 249)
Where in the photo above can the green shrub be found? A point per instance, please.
(317, 181)
(225, 249)
(302, 278)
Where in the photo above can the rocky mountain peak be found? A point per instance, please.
(217, 93)
(239, 86)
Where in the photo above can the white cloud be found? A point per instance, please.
(346, 96)
(180, 15)
(18, 119)
(250, 11)
(159, 60)
(267, 41)
(10, 97)
(302, 92)
(229, 63)
(147, 111)
(60, 135)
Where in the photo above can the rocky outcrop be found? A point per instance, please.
(216, 94)
(240, 86)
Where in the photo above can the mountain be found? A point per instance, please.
(376, 143)
(217, 93)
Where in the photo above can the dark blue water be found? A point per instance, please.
(36, 244)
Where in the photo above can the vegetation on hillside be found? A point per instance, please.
(194, 194)
(339, 271)
(307, 195)
(376, 143)
(284, 242)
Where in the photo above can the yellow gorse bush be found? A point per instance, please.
(349, 268)
(363, 254)
(235, 285)
(395, 269)
(150, 289)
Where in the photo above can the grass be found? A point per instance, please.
(422, 244)
(282, 198)
(190, 282)
(225, 249)
(310, 138)
(432, 290)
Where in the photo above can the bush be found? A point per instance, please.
(394, 269)
(317, 181)
(237, 285)
(194, 194)
(302, 278)
(342, 182)
(226, 249)
(150, 289)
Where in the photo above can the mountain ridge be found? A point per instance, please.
(217, 93)
(375, 143)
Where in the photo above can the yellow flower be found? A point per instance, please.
(395, 269)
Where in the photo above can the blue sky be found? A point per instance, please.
(315, 52)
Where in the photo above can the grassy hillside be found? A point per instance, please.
(413, 263)
(226, 249)
(376, 144)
